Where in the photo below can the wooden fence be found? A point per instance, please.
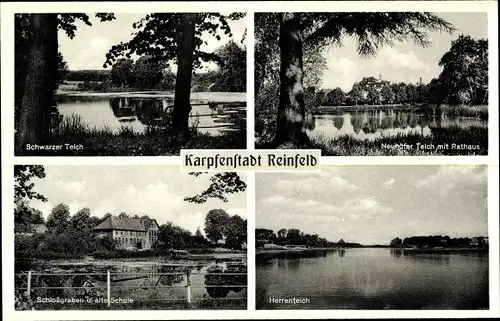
(109, 282)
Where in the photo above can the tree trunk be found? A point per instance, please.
(185, 50)
(291, 110)
(40, 83)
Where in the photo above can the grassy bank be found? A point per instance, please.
(475, 140)
(127, 142)
(476, 111)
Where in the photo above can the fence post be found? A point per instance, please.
(109, 288)
(188, 285)
(29, 284)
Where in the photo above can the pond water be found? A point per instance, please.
(372, 124)
(375, 279)
(144, 280)
(137, 111)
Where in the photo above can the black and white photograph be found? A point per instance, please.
(129, 238)
(373, 237)
(106, 84)
(372, 83)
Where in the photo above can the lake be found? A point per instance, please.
(139, 110)
(144, 280)
(372, 124)
(368, 278)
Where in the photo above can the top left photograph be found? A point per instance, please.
(122, 84)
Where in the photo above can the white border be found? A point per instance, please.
(7, 63)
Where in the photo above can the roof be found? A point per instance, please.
(124, 223)
(148, 222)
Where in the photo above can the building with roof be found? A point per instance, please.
(130, 233)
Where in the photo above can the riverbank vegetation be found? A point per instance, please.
(56, 236)
(282, 120)
(293, 240)
(149, 74)
(453, 141)
(40, 70)
(154, 141)
(64, 231)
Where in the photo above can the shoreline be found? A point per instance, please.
(407, 250)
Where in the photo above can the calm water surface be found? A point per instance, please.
(376, 279)
(373, 124)
(139, 110)
(137, 279)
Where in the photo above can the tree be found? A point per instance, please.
(265, 234)
(123, 215)
(199, 239)
(121, 74)
(148, 73)
(59, 219)
(62, 69)
(173, 236)
(176, 37)
(232, 68)
(282, 233)
(371, 30)
(396, 242)
(465, 71)
(221, 184)
(399, 91)
(217, 225)
(335, 97)
(387, 94)
(237, 233)
(37, 42)
(23, 187)
(81, 220)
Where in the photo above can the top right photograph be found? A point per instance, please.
(372, 83)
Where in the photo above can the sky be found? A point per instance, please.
(89, 47)
(156, 191)
(374, 204)
(403, 62)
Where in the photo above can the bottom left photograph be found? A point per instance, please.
(129, 237)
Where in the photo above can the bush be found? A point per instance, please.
(92, 86)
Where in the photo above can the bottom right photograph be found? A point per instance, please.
(373, 237)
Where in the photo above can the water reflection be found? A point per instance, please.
(372, 124)
(220, 282)
(139, 281)
(377, 279)
(139, 113)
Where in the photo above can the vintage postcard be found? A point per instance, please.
(140, 84)
(128, 238)
(377, 83)
(373, 237)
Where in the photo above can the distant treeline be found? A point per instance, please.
(440, 241)
(295, 237)
(87, 75)
(58, 236)
(147, 73)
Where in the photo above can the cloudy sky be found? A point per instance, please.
(374, 204)
(89, 47)
(155, 191)
(404, 62)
